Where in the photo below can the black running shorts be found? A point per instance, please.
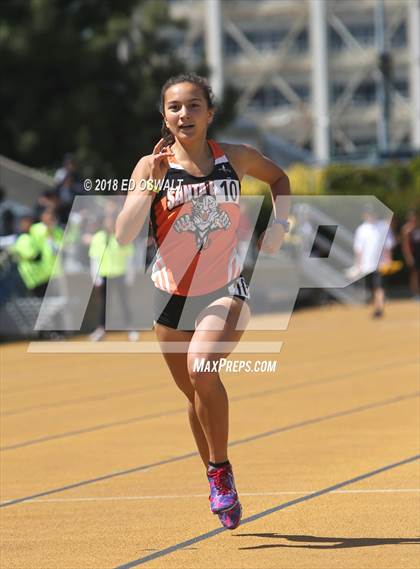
(181, 312)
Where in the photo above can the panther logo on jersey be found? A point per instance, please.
(205, 217)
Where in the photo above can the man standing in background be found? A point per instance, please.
(410, 234)
(371, 247)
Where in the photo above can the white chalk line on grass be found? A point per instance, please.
(182, 496)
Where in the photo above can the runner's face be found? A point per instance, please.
(186, 112)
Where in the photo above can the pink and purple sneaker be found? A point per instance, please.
(231, 518)
(223, 495)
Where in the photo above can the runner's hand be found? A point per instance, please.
(271, 240)
(160, 163)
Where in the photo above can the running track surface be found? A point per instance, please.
(99, 469)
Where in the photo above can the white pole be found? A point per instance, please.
(320, 94)
(414, 39)
(382, 88)
(214, 45)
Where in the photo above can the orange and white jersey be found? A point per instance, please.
(195, 221)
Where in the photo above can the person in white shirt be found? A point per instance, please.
(371, 244)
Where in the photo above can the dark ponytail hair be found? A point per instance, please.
(184, 78)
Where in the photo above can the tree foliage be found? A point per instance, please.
(84, 76)
(396, 184)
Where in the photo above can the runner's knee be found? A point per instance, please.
(203, 370)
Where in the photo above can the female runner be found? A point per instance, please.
(200, 295)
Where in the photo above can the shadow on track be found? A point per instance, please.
(317, 542)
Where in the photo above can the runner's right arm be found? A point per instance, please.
(139, 200)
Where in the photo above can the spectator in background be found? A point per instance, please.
(35, 252)
(410, 244)
(368, 242)
(28, 257)
(48, 236)
(8, 221)
(112, 269)
(47, 200)
(68, 185)
(66, 191)
(389, 244)
(69, 167)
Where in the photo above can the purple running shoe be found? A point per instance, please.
(231, 518)
(223, 493)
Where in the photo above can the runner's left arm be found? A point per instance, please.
(259, 166)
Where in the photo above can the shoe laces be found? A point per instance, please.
(221, 480)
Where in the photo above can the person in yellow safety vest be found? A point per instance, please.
(28, 257)
(111, 266)
(48, 237)
(36, 252)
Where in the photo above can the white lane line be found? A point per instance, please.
(88, 347)
(182, 496)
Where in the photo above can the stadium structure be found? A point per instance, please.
(316, 79)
